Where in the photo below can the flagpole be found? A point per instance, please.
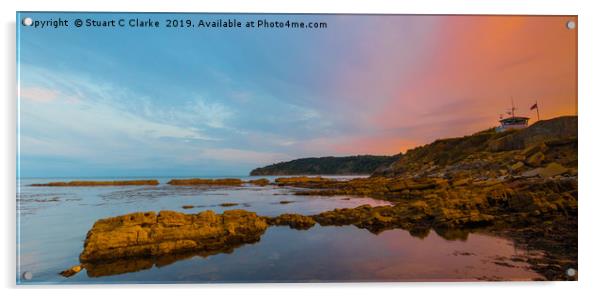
(536, 104)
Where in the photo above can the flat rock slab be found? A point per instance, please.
(92, 183)
(146, 234)
(206, 182)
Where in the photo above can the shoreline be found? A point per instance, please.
(419, 211)
(521, 184)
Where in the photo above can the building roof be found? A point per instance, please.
(514, 119)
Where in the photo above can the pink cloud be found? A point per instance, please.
(39, 94)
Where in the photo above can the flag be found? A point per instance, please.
(534, 106)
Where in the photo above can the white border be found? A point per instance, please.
(590, 22)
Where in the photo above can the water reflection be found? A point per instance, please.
(123, 266)
(51, 235)
(453, 234)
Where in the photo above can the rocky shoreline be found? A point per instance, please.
(521, 185)
(549, 225)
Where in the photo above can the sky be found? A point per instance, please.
(222, 101)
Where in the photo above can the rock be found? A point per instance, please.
(301, 180)
(553, 169)
(540, 147)
(536, 159)
(294, 221)
(90, 183)
(426, 184)
(148, 234)
(461, 182)
(519, 157)
(488, 182)
(228, 204)
(187, 206)
(517, 166)
(345, 216)
(71, 271)
(206, 182)
(397, 186)
(521, 202)
(531, 173)
(260, 182)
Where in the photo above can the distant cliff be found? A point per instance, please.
(351, 165)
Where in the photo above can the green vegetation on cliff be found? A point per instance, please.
(352, 165)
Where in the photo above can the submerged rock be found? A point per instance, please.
(91, 183)
(294, 221)
(71, 271)
(206, 182)
(260, 182)
(228, 204)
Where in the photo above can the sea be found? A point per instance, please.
(52, 223)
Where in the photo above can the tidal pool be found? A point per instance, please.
(53, 222)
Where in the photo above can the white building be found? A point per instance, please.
(512, 123)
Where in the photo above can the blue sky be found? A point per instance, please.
(164, 102)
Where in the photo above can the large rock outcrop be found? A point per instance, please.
(168, 232)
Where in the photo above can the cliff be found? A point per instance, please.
(351, 165)
(488, 150)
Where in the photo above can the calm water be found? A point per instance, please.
(53, 223)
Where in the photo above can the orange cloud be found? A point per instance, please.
(479, 63)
